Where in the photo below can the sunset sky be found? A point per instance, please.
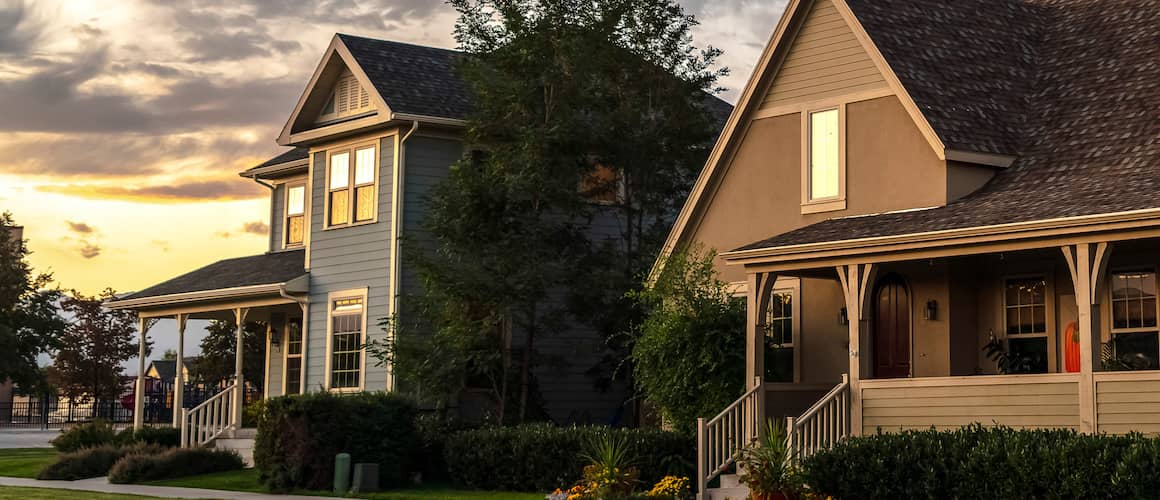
(123, 124)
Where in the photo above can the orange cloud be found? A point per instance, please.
(167, 193)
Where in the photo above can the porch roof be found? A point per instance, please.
(256, 274)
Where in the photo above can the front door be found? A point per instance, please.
(891, 328)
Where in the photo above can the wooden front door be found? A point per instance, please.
(891, 328)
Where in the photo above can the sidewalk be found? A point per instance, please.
(102, 485)
(27, 438)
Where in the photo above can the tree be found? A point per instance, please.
(94, 347)
(689, 352)
(169, 355)
(218, 362)
(29, 321)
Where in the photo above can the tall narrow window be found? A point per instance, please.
(1134, 330)
(824, 150)
(1026, 322)
(346, 339)
(779, 338)
(294, 356)
(352, 184)
(295, 226)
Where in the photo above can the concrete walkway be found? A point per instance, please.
(102, 485)
(27, 438)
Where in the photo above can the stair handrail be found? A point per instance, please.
(822, 425)
(720, 438)
(205, 422)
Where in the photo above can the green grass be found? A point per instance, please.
(25, 462)
(247, 480)
(54, 494)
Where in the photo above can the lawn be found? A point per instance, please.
(247, 480)
(54, 494)
(24, 462)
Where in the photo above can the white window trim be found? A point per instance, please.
(1050, 333)
(285, 236)
(793, 287)
(357, 293)
(286, 356)
(809, 205)
(350, 149)
(1112, 330)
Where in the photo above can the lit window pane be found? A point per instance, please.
(339, 207)
(294, 229)
(339, 171)
(364, 166)
(296, 200)
(824, 154)
(364, 203)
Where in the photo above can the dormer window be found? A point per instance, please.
(823, 162)
(295, 226)
(347, 99)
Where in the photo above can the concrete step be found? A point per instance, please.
(737, 493)
(243, 446)
(730, 481)
(247, 433)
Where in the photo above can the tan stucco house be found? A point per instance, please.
(905, 182)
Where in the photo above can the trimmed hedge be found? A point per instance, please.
(978, 462)
(86, 435)
(91, 462)
(298, 437)
(175, 462)
(542, 457)
(432, 431)
(168, 437)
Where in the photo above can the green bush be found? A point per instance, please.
(91, 462)
(978, 462)
(298, 437)
(542, 457)
(87, 435)
(175, 462)
(168, 437)
(432, 431)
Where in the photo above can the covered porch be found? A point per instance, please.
(270, 289)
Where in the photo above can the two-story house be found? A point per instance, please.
(909, 188)
(378, 125)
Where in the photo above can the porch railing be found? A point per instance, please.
(822, 425)
(208, 420)
(719, 439)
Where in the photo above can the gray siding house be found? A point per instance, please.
(377, 126)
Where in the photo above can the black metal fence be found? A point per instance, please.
(38, 412)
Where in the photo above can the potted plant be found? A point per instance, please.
(767, 467)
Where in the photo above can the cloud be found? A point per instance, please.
(79, 227)
(89, 250)
(162, 245)
(256, 227)
(179, 192)
(20, 27)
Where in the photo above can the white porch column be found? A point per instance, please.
(757, 302)
(855, 280)
(139, 390)
(179, 377)
(1088, 263)
(240, 387)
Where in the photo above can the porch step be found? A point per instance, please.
(730, 481)
(243, 446)
(246, 433)
(739, 493)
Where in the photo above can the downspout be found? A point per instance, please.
(271, 187)
(396, 236)
(304, 303)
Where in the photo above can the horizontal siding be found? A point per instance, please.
(1124, 406)
(1019, 405)
(825, 60)
(277, 209)
(275, 366)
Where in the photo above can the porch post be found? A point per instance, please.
(139, 390)
(239, 381)
(855, 280)
(179, 377)
(1087, 263)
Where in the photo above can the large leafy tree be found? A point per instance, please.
(217, 361)
(30, 323)
(689, 352)
(575, 100)
(89, 361)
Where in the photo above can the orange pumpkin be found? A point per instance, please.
(1071, 348)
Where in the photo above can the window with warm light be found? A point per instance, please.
(295, 225)
(824, 164)
(346, 340)
(351, 185)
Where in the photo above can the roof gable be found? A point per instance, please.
(414, 79)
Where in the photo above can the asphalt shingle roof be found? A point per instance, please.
(1077, 94)
(265, 269)
(413, 79)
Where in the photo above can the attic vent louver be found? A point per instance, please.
(348, 98)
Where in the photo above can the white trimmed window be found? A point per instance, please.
(780, 338)
(823, 162)
(348, 98)
(1025, 319)
(295, 220)
(346, 337)
(293, 382)
(352, 180)
(1134, 330)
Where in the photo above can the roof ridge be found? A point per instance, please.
(397, 42)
